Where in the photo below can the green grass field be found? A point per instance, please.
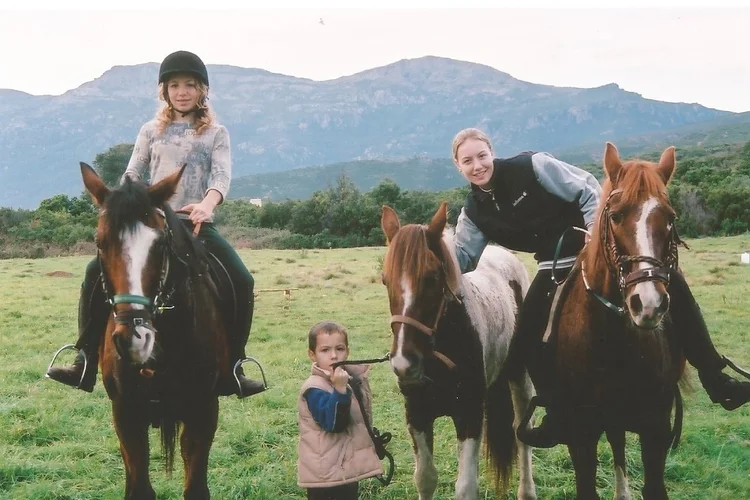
(56, 442)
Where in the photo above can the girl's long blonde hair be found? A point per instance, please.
(204, 115)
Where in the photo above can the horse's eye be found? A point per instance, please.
(616, 217)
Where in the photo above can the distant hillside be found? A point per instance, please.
(414, 173)
(434, 174)
(411, 108)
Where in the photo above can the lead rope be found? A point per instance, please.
(379, 440)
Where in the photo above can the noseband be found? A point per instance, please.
(617, 263)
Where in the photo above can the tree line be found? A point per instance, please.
(710, 192)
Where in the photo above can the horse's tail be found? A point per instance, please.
(169, 430)
(500, 439)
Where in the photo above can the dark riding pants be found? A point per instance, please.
(243, 287)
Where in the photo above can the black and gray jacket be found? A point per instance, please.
(533, 199)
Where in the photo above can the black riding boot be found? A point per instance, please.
(93, 313)
(550, 432)
(700, 351)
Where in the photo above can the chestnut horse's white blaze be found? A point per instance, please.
(136, 247)
(399, 363)
(650, 297)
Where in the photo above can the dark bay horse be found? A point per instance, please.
(451, 339)
(619, 359)
(165, 342)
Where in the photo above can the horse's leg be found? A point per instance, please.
(583, 454)
(617, 443)
(425, 473)
(469, 434)
(132, 431)
(198, 432)
(522, 391)
(654, 448)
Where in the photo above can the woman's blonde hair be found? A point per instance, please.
(204, 115)
(464, 135)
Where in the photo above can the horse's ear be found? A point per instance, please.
(390, 223)
(667, 164)
(437, 224)
(612, 162)
(163, 190)
(94, 184)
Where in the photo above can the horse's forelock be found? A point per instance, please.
(637, 181)
(126, 206)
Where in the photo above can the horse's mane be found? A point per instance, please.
(637, 181)
(411, 254)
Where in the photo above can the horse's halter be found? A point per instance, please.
(448, 295)
(142, 317)
(617, 262)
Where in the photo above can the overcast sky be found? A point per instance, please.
(687, 53)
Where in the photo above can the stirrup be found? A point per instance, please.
(238, 364)
(74, 348)
(736, 368)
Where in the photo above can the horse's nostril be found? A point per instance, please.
(635, 304)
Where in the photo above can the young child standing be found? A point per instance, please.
(335, 448)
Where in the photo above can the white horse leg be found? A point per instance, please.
(467, 482)
(617, 443)
(622, 490)
(522, 391)
(425, 473)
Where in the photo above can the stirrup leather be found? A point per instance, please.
(71, 347)
(238, 364)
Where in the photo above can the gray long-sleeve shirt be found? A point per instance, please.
(208, 159)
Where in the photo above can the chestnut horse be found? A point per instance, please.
(165, 342)
(451, 340)
(619, 359)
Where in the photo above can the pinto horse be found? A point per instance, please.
(451, 339)
(618, 356)
(165, 343)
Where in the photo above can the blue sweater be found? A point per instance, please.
(329, 409)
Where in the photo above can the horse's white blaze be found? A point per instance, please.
(425, 473)
(399, 362)
(467, 482)
(622, 490)
(136, 246)
(646, 290)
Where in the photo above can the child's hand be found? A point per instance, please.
(339, 379)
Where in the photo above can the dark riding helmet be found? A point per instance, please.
(183, 61)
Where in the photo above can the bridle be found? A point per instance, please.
(152, 307)
(617, 262)
(448, 295)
